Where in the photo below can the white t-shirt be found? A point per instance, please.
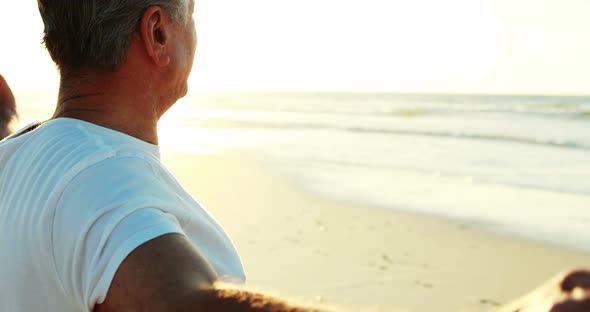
(75, 200)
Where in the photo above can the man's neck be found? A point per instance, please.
(111, 106)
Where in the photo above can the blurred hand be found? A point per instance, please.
(568, 292)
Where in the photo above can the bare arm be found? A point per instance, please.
(169, 274)
(226, 300)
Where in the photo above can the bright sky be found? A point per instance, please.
(510, 46)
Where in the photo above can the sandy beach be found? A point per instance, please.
(317, 250)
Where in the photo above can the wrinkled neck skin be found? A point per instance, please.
(123, 100)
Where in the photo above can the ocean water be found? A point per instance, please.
(518, 165)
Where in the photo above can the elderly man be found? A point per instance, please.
(90, 219)
(7, 109)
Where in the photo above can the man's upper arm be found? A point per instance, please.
(112, 216)
(168, 274)
(164, 274)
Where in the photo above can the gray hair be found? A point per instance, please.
(96, 34)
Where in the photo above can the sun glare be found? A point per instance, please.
(420, 46)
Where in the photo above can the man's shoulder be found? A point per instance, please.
(77, 140)
(56, 152)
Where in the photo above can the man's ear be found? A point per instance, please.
(154, 31)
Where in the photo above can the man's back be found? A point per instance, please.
(98, 195)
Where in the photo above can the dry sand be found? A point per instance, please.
(335, 253)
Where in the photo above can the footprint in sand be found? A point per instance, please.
(423, 284)
(386, 258)
(490, 302)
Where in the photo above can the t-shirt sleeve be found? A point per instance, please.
(104, 213)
